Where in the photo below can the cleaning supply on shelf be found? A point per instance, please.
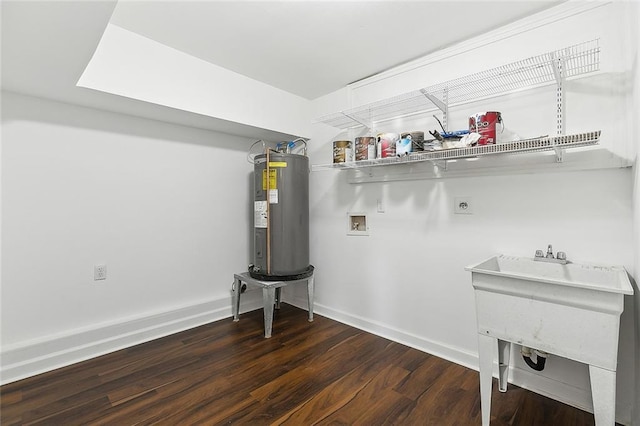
(485, 123)
(432, 145)
(442, 136)
(445, 135)
(403, 146)
(365, 148)
(417, 139)
(507, 135)
(342, 152)
(470, 139)
(386, 146)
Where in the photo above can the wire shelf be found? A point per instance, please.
(546, 143)
(530, 73)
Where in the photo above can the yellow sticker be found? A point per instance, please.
(272, 179)
(277, 164)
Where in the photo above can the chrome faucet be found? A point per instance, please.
(561, 257)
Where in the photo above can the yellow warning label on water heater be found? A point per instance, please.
(272, 179)
(277, 164)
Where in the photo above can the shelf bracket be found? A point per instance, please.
(558, 150)
(558, 64)
(442, 164)
(357, 120)
(442, 105)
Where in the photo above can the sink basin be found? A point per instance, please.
(569, 310)
(612, 279)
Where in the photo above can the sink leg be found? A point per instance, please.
(485, 355)
(603, 393)
(504, 352)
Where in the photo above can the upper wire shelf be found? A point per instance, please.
(529, 73)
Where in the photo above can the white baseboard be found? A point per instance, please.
(554, 389)
(33, 357)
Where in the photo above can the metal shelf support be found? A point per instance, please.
(442, 105)
(559, 152)
(558, 64)
(357, 120)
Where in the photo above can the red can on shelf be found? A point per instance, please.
(485, 123)
(386, 145)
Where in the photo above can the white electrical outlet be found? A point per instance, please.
(462, 205)
(99, 272)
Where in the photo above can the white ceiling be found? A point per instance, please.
(311, 48)
(308, 48)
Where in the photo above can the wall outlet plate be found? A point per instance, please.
(99, 272)
(462, 205)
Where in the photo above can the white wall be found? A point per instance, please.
(406, 280)
(165, 207)
(634, 13)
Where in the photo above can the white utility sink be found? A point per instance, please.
(570, 310)
(612, 279)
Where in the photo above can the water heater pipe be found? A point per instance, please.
(268, 171)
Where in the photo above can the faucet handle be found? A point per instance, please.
(561, 255)
(539, 253)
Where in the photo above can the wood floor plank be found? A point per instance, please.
(316, 368)
(420, 380)
(374, 403)
(226, 372)
(147, 377)
(77, 414)
(328, 400)
(184, 403)
(436, 402)
(284, 393)
(335, 395)
(259, 366)
(412, 358)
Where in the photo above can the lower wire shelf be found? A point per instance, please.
(546, 143)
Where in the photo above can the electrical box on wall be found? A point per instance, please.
(357, 224)
(463, 205)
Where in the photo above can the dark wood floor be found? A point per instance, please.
(308, 373)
